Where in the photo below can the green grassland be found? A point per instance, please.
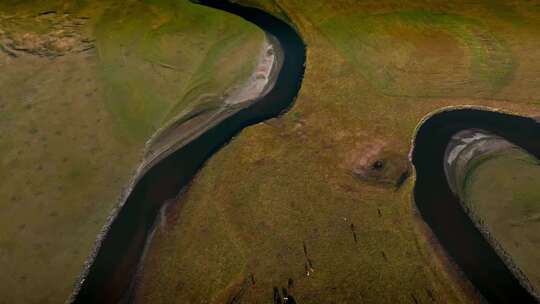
(81, 91)
(502, 192)
(132, 48)
(374, 69)
(437, 44)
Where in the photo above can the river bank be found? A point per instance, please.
(359, 238)
(187, 126)
(471, 248)
(286, 185)
(178, 134)
(108, 278)
(495, 182)
(83, 86)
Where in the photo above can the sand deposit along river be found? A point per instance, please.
(109, 276)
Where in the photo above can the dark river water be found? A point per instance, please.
(442, 211)
(111, 273)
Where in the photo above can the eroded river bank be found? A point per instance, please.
(110, 272)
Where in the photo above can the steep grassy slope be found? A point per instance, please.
(84, 84)
(312, 201)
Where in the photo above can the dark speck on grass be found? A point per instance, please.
(354, 233)
(414, 298)
(277, 296)
(430, 294)
(378, 165)
(47, 13)
(310, 263)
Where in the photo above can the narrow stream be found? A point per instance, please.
(109, 277)
(442, 211)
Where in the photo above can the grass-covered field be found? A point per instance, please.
(502, 192)
(84, 84)
(297, 199)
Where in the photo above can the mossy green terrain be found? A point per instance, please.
(502, 193)
(83, 86)
(298, 202)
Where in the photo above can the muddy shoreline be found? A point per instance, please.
(110, 270)
(441, 209)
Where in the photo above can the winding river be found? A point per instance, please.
(109, 277)
(442, 211)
